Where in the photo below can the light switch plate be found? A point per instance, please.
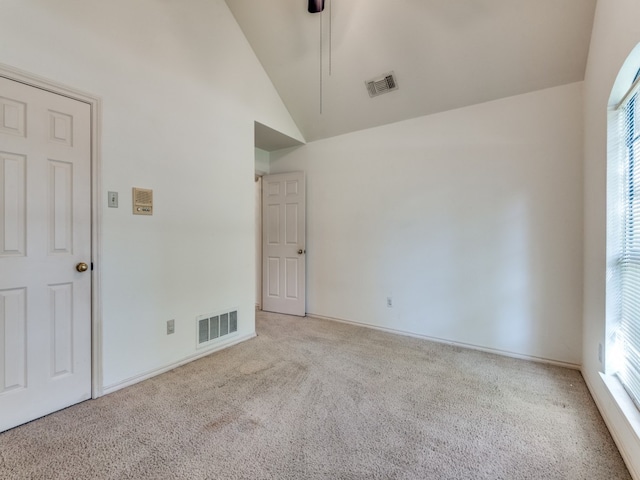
(113, 199)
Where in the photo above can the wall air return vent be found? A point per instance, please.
(216, 326)
(383, 84)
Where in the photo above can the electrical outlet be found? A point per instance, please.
(171, 327)
(389, 302)
(113, 199)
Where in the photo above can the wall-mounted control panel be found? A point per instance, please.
(142, 201)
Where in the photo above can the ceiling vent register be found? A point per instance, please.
(384, 84)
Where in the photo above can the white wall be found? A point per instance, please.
(181, 90)
(471, 220)
(616, 32)
(262, 161)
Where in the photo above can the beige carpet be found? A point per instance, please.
(310, 399)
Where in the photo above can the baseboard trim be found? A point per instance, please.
(470, 346)
(157, 371)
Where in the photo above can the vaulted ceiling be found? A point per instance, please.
(446, 54)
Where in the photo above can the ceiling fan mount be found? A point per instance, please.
(316, 6)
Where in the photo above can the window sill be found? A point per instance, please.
(624, 402)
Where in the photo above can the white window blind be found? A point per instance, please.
(624, 238)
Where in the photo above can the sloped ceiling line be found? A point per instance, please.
(447, 54)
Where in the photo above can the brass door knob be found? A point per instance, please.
(82, 267)
(300, 252)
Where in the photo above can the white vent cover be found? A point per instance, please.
(385, 83)
(213, 326)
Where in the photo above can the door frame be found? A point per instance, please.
(95, 103)
(258, 237)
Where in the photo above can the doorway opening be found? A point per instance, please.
(279, 277)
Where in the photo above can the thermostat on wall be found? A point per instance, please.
(142, 201)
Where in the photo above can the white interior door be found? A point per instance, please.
(45, 240)
(283, 240)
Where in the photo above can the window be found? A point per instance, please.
(623, 242)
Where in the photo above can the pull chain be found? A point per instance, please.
(330, 47)
(320, 63)
(330, 34)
